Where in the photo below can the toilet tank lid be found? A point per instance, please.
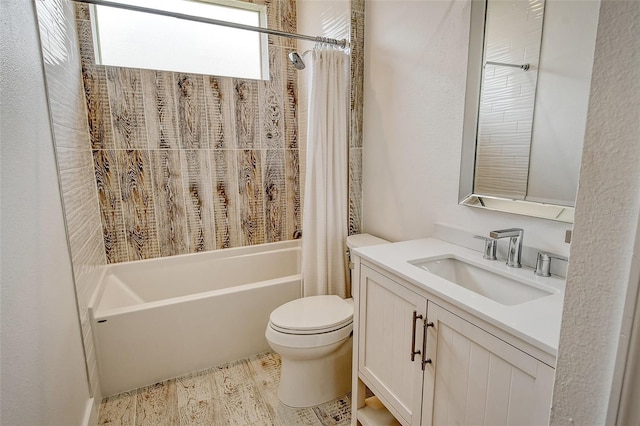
(364, 240)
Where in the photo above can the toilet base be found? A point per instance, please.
(310, 382)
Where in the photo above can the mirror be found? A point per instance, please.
(527, 93)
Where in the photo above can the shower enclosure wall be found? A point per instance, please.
(156, 164)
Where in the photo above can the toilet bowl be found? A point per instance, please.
(313, 336)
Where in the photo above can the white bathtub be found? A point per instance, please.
(162, 318)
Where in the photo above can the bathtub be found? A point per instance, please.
(162, 318)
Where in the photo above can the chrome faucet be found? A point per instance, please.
(515, 244)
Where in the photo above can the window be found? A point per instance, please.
(143, 40)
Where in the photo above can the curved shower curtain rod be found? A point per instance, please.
(342, 43)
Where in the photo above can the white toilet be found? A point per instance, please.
(312, 335)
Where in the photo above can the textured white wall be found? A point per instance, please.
(415, 73)
(607, 211)
(42, 368)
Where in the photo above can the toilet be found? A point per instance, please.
(312, 335)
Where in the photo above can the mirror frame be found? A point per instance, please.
(466, 196)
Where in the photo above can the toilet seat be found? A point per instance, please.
(306, 341)
(312, 315)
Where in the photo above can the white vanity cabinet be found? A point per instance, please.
(386, 334)
(470, 376)
(477, 379)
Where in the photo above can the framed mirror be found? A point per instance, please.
(528, 82)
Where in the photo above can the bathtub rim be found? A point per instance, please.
(95, 314)
(217, 253)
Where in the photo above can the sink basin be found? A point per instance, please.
(499, 288)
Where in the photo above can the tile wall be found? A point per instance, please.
(357, 103)
(187, 163)
(75, 165)
(505, 119)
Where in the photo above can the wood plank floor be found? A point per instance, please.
(244, 392)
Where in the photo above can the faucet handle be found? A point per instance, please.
(490, 245)
(543, 263)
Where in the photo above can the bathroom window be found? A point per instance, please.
(132, 39)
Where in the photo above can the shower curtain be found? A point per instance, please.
(324, 214)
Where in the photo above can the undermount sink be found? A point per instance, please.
(500, 288)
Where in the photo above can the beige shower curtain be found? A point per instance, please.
(324, 215)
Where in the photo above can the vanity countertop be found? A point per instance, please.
(536, 322)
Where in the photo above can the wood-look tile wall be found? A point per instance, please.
(187, 163)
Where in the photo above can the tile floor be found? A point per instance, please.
(241, 393)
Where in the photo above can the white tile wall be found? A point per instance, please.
(513, 35)
(56, 19)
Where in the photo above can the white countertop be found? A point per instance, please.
(536, 322)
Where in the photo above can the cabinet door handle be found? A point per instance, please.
(413, 335)
(425, 361)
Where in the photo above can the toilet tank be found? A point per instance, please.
(363, 240)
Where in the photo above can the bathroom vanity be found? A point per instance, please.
(443, 336)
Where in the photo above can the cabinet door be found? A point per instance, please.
(477, 379)
(386, 335)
